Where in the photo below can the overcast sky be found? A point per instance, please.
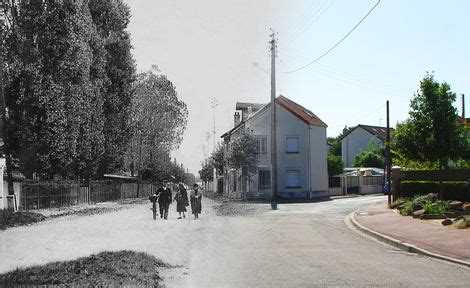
(215, 48)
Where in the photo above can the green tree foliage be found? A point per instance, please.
(158, 120)
(369, 159)
(335, 145)
(207, 172)
(111, 19)
(244, 152)
(432, 133)
(335, 164)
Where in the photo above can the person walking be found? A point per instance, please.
(153, 198)
(196, 205)
(164, 199)
(181, 198)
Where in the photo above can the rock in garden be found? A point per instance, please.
(432, 216)
(466, 209)
(456, 205)
(433, 197)
(418, 213)
(447, 222)
(462, 222)
(401, 206)
(418, 205)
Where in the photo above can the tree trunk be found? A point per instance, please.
(441, 191)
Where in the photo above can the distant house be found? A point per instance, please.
(301, 152)
(358, 139)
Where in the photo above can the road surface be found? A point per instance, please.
(299, 245)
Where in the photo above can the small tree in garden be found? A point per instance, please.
(217, 159)
(335, 164)
(244, 153)
(206, 173)
(372, 158)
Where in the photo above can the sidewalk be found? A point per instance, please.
(414, 235)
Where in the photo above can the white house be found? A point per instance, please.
(358, 139)
(301, 152)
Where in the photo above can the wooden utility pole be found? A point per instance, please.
(213, 105)
(389, 161)
(139, 173)
(273, 121)
(463, 106)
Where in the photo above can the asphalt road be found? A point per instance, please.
(309, 245)
(299, 245)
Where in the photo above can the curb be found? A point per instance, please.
(402, 245)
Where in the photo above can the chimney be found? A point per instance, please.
(236, 119)
(250, 111)
(463, 106)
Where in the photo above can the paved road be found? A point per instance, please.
(300, 245)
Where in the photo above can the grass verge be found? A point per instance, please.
(122, 268)
(9, 218)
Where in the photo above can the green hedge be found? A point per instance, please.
(452, 190)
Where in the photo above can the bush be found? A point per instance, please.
(11, 219)
(335, 165)
(452, 190)
(438, 207)
(369, 159)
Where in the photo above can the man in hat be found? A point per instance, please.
(164, 199)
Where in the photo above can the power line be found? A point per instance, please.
(312, 20)
(339, 42)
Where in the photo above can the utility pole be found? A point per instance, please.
(213, 105)
(273, 121)
(139, 175)
(389, 161)
(463, 106)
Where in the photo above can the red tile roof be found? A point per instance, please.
(300, 112)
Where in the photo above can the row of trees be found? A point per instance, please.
(75, 106)
(432, 137)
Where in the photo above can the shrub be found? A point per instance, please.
(438, 207)
(452, 190)
(408, 208)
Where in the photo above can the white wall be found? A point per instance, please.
(318, 158)
(311, 161)
(354, 143)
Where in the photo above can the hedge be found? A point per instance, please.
(452, 190)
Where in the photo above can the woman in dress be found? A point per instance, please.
(181, 198)
(196, 197)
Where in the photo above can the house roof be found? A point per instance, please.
(377, 131)
(300, 112)
(245, 105)
(297, 110)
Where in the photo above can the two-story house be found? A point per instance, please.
(301, 152)
(358, 139)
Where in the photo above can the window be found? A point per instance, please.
(262, 144)
(292, 145)
(293, 179)
(264, 180)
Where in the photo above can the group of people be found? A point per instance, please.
(164, 197)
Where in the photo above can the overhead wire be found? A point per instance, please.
(303, 18)
(311, 21)
(337, 43)
(351, 79)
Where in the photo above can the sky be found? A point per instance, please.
(220, 49)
